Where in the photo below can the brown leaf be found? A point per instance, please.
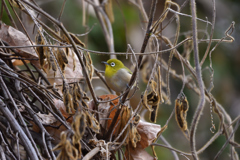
(148, 132)
(138, 153)
(106, 107)
(16, 38)
(46, 119)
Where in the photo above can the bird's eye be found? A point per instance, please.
(112, 64)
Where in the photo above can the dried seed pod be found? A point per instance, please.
(153, 114)
(52, 62)
(79, 124)
(77, 145)
(136, 119)
(185, 106)
(60, 62)
(68, 100)
(63, 55)
(92, 122)
(178, 113)
(67, 150)
(153, 98)
(88, 62)
(40, 50)
(75, 39)
(134, 135)
(74, 60)
(144, 102)
(77, 92)
(181, 108)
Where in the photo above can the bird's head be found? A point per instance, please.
(112, 66)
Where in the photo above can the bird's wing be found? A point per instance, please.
(128, 70)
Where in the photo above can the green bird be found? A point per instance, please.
(117, 75)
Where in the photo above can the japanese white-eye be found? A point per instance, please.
(117, 75)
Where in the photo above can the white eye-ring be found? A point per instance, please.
(112, 64)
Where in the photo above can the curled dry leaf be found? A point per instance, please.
(16, 38)
(148, 132)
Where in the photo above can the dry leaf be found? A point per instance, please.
(16, 38)
(138, 153)
(105, 108)
(70, 74)
(46, 119)
(148, 132)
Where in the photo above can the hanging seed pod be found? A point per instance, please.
(181, 108)
(79, 124)
(68, 100)
(144, 102)
(60, 62)
(40, 50)
(92, 122)
(63, 55)
(76, 40)
(136, 119)
(52, 62)
(77, 94)
(134, 135)
(88, 63)
(74, 59)
(153, 114)
(153, 99)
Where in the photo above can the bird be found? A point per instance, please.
(117, 75)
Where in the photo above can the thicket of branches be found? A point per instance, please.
(49, 107)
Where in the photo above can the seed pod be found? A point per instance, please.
(52, 62)
(178, 114)
(40, 50)
(63, 55)
(136, 119)
(181, 108)
(144, 102)
(68, 100)
(153, 114)
(92, 122)
(60, 62)
(134, 135)
(76, 40)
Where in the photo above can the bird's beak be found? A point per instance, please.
(105, 63)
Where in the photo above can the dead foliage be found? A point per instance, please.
(49, 108)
